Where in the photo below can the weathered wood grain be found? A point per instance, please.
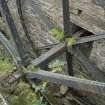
(8, 46)
(53, 53)
(50, 55)
(88, 14)
(76, 83)
(90, 38)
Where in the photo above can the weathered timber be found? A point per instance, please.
(76, 83)
(9, 20)
(50, 55)
(90, 38)
(53, 53)
(88, 14)
(8, 82)
(84, 61)
(67, 32)
(66, 17)
(80, 40)
(13, 52)
(69, 59)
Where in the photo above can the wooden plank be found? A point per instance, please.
(90, 38)
(9, 48)
(50, 55)
(73, 82)
(88, 14)
(80, 40)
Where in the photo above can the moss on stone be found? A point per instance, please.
(5, 66)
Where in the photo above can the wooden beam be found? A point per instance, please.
(90, 38)
(80, 40)
(9, 48)
(67, 33)
(49, 56)
(53, 53)
(86, 14)
(73, 82)
(66, 17)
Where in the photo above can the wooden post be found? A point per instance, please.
(66, 19)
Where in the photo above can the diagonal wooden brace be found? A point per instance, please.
(49, 56)
(53, 53)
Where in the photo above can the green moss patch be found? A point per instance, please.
(5, 66)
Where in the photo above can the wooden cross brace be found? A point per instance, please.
(79, 84)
